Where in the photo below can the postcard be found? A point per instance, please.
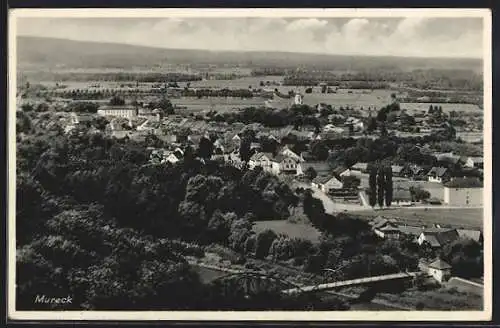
(250, 164)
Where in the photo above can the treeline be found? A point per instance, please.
(265, 71)
(445, 79)
(121, 76)
(201, 93)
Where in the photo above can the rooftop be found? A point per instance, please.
(440, 264)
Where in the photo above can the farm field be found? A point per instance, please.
(293, 230)
(217, 103)
(418, 107)
(456, 217)
(240, 83)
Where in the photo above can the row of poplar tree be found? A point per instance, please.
(380, 183)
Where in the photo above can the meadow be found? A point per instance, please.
(293, 230)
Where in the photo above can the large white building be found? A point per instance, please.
(117, 111)
(463, 192)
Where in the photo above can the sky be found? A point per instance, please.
(410, 36)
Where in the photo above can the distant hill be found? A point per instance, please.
(49, 53)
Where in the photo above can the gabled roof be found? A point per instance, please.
(440, 265)
(440, 236)
(260, 155)
(340, 169)
(410, 230)
(324, 179)
(319, 167)
(438, 171)
(389, 228)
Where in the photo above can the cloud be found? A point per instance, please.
(412, 36)
(306, 24)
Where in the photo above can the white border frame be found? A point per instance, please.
(308, 316)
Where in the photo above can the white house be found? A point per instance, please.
(385, 228)
(266, 161)
(327, 183)
(298, 99)
(286, 164)
(463, 192)
(438, 174)
(439, 270)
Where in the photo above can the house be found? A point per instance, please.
(388, 232)
(321, 168)
(439, 270)
(475, 235)
(410, 230)
(260, 159)
(119, 111)
(463, 192)
(326, 183)
(356, 123)
(437, 237)
(286, 164)
(438, 174)
(477, 162)
(385, 228)
(274, 164)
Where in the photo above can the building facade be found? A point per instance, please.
(463, 196)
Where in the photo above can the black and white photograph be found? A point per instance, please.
(250, 164)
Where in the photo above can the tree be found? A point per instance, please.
(166, 106)
(117, 101)
(27, 107)
(380, 186)
(372, 124)
(245, 152)
(311, 173)
(320, 150)
(418, 194)
(205, 148)
(351, 182)
(263, 243)
(388, 185)
(372, 182)
(241, 229)
(219, 226)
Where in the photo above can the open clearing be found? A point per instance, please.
(293, 230)
(455, 217)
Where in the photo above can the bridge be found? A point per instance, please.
(256, 280)
(348, 283)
